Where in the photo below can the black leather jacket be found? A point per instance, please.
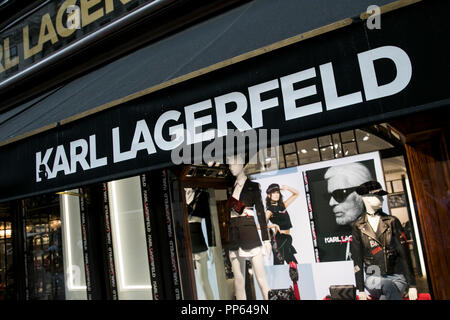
(385, 251)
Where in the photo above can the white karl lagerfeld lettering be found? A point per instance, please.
(78, 151)
(257, 106)
(333, 101)
(290, 96)
(173, 129)
(141, 131)
(235, 117)
(402, 63)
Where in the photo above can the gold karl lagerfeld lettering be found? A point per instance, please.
(47, 33)
(1, 56)
(88, 12)
(89, 17)
(6, 52)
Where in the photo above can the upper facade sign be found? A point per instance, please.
(54, 26)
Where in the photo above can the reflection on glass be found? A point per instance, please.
(6, 256)
(327, 153)
(349, 149)
(308, 151)
(348, 136)
(291, 160)
(44, 252)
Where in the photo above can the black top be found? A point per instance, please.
(280, 216)
(199, 207)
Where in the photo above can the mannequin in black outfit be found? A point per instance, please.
(378, 250)
(198, 209)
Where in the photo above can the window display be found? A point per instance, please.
(198, 210)
(44, 250)
(6, 254)
(245, 242)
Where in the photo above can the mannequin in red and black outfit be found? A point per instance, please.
(245, 242)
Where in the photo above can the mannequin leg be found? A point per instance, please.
(258, 267)
(238, 267)
(202, 268)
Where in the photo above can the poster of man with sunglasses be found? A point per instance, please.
(335, 204)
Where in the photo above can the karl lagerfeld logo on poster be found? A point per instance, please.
(188, 130)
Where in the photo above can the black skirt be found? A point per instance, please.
(243, 234)
(197, 238)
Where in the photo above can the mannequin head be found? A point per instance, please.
(236, 165)
(236, 169)
(371, 193)
(372, 202)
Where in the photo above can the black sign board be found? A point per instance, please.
(54, 26)
(342, 79)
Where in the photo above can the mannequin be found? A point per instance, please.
(378, 244)
(244, 239)
(198, 209)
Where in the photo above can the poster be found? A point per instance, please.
(333, 203)
(292, 190)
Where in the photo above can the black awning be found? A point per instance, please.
(248, 27)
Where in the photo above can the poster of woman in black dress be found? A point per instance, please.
(280, 223)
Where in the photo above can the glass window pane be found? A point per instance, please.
(368, 142)
(75, 274)
(129, 243)
(308, 151)
(337, 146)
(397, 186)
(289, 148)
(347, 136)
(349, 149)
(44, 249)
(325, 141)
(327, 153)
(291, 160)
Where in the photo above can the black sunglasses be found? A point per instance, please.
(341, 194)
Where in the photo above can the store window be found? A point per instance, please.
(74, 265)
(312, 226)
(44, 248)
(128, 239)
(6, 254)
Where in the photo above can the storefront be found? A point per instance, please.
(130, 200)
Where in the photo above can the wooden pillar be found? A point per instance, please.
(426, 140)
